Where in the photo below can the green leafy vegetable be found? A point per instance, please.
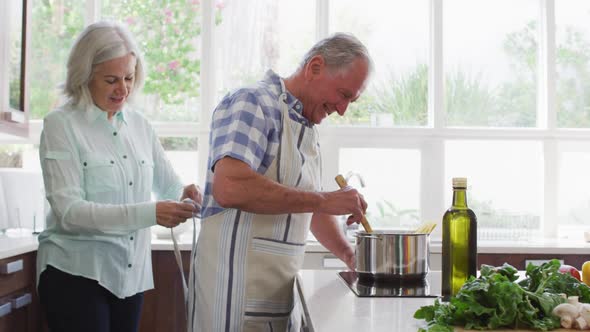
(496, 300)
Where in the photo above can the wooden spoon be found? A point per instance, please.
(342, 183)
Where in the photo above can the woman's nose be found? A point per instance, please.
(122, 88)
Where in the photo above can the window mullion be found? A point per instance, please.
(435, 68)
(4, 63)
(546, 108)
(547, 115)
(322, 18)
(551, 186)
(93, 11)
(432, 182)
(208, 82)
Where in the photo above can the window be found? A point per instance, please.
(392, 185)
(505, 185)
(168, 33)
(490, 69)
(490, 90)
(54, 26)
(572, 63)
(14, 108)
(573, 182)
(255, 36)
(396, 32)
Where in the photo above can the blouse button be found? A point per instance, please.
(85, 163)
(128, 265)
(130, 183)
(112, 161)
(115, 133)
(125, 157)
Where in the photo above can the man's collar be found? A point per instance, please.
(274, 82)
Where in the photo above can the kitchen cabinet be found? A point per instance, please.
(163, 306)
(19, 304)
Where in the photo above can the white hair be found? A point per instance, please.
(99, 42)
(339, 51)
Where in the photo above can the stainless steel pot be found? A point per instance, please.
(392, 255)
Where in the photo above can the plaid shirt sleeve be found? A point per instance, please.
(240, 130)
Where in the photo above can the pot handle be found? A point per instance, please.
(369, 236)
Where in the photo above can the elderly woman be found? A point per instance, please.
(101, 161)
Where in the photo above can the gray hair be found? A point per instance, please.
(339, 51)
(99, 42)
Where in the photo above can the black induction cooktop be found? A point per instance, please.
(389, 288)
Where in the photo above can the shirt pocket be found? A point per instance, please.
(147, 173)
(99, 173)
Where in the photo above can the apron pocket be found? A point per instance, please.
(277, 247)
(269, 290)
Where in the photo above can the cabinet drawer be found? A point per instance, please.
(19, 311)
(16, 273)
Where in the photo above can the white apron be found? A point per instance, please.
(243, 270)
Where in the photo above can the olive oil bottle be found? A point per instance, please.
(459, 242)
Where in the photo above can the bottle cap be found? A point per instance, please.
(459, 182)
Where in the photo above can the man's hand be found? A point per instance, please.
(349, 258)
(170, 213)
(344, 201)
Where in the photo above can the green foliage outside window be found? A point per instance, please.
(11, 155)
(469, 101)
(168, 34)
(14, 93)
(55, 25)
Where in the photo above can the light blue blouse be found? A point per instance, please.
(99, 176)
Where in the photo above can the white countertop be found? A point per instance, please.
(15, 243)
(535, 246)
(332, 306)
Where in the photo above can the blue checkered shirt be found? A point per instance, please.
(246, 125)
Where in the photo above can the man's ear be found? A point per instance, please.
(315, 68)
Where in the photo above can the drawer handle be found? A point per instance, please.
(5, 309)
(21, 301)
(11, 267)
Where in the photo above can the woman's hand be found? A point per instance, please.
(170, 213)
(193, 192)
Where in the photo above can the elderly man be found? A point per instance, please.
(263, 191)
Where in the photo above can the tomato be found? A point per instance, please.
(586, 273)
(571, 270)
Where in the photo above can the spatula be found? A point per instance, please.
(342, 183)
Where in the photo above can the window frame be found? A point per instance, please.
(13, 122)
(429, 140)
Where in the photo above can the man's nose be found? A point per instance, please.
(341, 107)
